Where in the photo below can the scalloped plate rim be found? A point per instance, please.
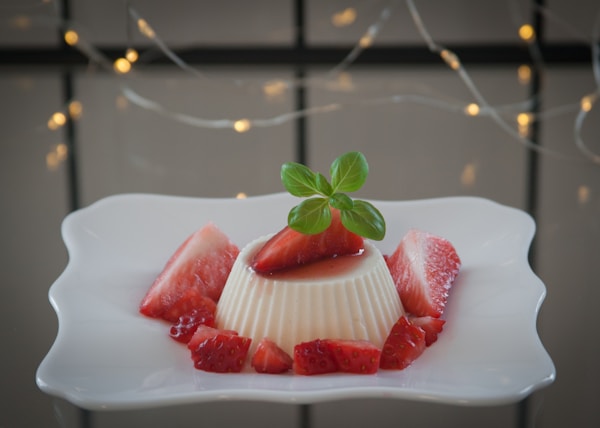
(152, 387)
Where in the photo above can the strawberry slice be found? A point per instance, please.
(432, 327)
(270, 358)
(183, 330)
(404, 344)
(218, 351)
(424, 267)
(314, 357)
(354, 356)
(199, 267)
(289, 249)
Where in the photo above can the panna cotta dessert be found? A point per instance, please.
(346, 297)
(316, 297)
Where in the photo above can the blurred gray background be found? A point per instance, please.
(416, 150)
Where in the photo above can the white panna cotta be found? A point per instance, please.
(347, 297)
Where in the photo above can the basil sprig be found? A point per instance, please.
(348, 174)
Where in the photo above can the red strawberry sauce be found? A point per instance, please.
(321, 269)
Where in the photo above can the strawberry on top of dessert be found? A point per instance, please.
(291, 249)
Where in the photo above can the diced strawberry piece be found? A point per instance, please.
(183, 330)
(218, 351)
(204, 332)
(199, 267)
(404, 344)
(289, 249)
(270, 358)
(313, 357)
(424, 267)
(432, 327)
(355, 356)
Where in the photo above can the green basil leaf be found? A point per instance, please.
(298, 179)
(323, 185)
(349, 172)
(341, 201)
(311, 216)
(364, 220)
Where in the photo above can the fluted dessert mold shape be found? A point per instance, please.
(359, 301)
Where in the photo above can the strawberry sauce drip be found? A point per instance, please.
(321, 269)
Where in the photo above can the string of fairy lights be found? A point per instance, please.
(516, 120)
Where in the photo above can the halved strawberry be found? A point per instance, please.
(199, 267)
(289, 249)
(314, 357)
(183, 330)
(432, 327)
(424, 267)
(404, 344)
(188, 301)
(270, 358)
(354, 356)
(218, 351)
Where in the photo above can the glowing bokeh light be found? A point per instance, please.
(122, 66)
(527, 33)
(242, 125)
(71, 37)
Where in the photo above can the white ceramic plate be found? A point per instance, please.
(108, 356)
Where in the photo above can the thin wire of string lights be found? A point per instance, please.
(514, 119)
(481, 107)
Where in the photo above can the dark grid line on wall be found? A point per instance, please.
(480, 54)
(71, 142)
(300, 73)
(300, 137)
(523, 418)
